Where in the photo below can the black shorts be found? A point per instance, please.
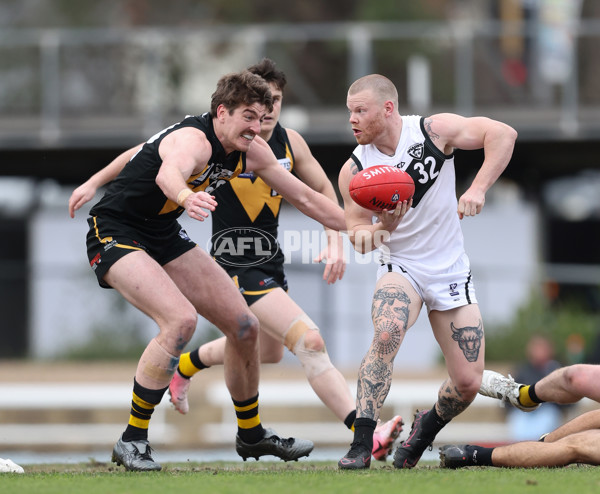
(254, 282)
(108, 240)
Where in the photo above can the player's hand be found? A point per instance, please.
(333, 256)
(391, 219)
(197, 203)
(82, 194)
(470, 203)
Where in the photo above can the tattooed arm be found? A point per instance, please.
(363, 233)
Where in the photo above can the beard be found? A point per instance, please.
(374, 129)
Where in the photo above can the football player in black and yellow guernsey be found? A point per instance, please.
(244, 243)
(137, 246)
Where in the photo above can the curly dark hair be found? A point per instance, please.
(241, 88)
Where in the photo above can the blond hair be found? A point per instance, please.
(380, 86)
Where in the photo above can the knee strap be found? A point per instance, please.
(315, 362)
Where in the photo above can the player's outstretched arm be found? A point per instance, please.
(261, 160)
(86, 191)
(308, 169)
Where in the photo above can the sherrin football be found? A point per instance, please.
(381, 187)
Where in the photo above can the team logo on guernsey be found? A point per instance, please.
(416, 150)
(243, 246)
(286, 163)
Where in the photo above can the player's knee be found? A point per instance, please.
(303, 339)
(387, 340)
(576, 379)
(247, 328)
(315, 362)
(313, 341)
(180, 330)
(468, 386)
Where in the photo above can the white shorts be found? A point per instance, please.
(439, 291)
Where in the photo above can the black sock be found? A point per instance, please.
(349, 420)
(433, 423)
(478, 455)
(363, 432)
(532, 395)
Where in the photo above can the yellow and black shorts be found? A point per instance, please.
(254, 282)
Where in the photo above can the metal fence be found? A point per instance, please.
(80, 87)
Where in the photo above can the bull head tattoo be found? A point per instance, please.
(469, 340)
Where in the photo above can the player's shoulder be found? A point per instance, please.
(295, 138)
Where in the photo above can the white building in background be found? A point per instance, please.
(68, 305)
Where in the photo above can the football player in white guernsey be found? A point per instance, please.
(422, 254)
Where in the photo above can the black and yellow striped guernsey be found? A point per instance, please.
(135, 199)
(249, 208)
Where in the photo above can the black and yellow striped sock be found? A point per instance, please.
(250, 429)
(527, 396)
(142, 406)
(190, 364)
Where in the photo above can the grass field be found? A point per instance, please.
(295, 477)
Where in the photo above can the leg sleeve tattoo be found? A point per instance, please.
(389, 312)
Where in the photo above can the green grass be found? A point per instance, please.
(291, 478)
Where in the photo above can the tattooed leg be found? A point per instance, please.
(389, 311)
(460, 335)
(450, 401)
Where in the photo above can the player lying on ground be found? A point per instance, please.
(577, 441)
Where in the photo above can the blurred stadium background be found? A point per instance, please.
(81, 81)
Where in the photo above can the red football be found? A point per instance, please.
(381, 187)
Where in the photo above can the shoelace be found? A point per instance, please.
(287, 442)
(146, 454)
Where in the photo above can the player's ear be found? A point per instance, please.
(389, 108)
(221, 110)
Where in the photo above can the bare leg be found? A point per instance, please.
(213, 352)
(276, 313)
(215, 296)
(149, 288)
(582, 447)
(459, 333)
(570, 384)
(584, 422)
